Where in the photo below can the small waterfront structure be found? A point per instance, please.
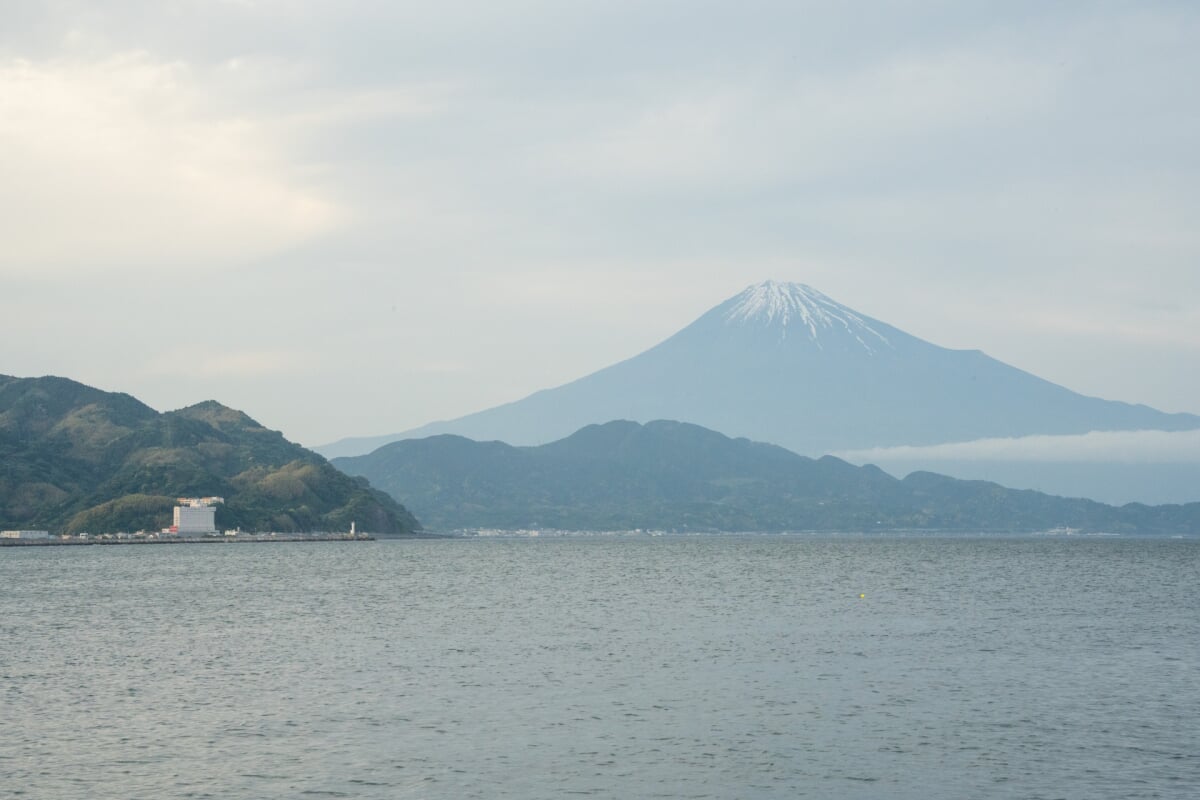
(195, 516)
(24, 534)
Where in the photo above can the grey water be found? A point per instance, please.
(690, 667)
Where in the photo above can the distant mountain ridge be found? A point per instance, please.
(76, 458)
(676, 476)
(784, 363)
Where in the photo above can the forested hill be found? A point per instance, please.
(682, 477)
(74, 458)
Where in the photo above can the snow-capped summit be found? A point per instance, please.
(791, 306)
(773, 300)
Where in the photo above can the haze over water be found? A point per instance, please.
(671, 667)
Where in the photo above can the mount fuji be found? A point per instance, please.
(784, 363)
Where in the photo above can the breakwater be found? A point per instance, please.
(241, 538)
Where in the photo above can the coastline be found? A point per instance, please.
(245, 538)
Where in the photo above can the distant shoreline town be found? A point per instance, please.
(150, 538)
(194, 523)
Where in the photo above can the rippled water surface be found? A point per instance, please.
(715, 667)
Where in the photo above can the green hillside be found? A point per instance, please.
(676, 476)
(74, 458)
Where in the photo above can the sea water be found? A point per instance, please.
(691, 667)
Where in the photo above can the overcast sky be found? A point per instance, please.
(356, 217)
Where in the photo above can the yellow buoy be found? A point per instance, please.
(861, 596)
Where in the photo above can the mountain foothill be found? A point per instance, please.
(74, 458)
(679, 477)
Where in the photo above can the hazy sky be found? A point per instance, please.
(357, 217)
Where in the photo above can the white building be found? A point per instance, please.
(195, 516)
(24, 534)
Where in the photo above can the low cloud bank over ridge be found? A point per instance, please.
(1148, 446)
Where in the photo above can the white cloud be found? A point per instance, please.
(127, 162)
(1151, 447)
